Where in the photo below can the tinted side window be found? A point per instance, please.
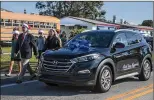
(132, 38)
(139, 38)
(121, 38)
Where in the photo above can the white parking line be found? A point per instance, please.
(14, 84)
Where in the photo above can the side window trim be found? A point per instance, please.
(119, 33)
(135, 34)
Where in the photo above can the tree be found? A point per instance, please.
(85, 9)
(77, 31)
(147, 23)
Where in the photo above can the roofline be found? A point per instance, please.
(22, 14)
(81, 19)
(31, 14)
(111, 24)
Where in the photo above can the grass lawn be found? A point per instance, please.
(5, 59)
(6, 49)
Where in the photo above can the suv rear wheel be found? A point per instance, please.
(145, 71)
(104, 80)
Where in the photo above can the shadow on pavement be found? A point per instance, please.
(41, 89)
(9, 80)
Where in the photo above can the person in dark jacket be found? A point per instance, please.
(53, 42)
(25, 44)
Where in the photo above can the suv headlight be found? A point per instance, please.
(85, 58)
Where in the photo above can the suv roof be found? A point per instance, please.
(110, 30)
(100, 31)
(125, 30)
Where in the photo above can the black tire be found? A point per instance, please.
(142, 75)
(99, 87)
(50, 84)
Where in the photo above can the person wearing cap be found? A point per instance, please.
(25, 44)
(53, 41)
(40, 42)
(14, 58)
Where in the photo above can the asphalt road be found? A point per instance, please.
(125, 89)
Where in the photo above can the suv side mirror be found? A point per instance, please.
(119, 45)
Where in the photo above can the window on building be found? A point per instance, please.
(85, 27)
(2, 22)
(30, 23)
(16, 23)
(42, 24)
(100, 27)
(48, 26)
(22, 21)
(8, 22)
(36, 24)
(71, 27)
(55, 25)
(111, 28)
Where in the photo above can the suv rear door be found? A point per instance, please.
(135, 46)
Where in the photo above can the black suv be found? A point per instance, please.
(97, 58)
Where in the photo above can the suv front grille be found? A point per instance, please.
(57, 65)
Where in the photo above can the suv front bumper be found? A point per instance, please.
(72, 77)
(66, 80)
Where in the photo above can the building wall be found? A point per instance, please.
(71, 21)
(66, 22)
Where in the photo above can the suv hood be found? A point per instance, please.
(66, 53)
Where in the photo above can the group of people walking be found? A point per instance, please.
(24, 43)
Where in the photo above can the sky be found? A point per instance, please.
(132, 12)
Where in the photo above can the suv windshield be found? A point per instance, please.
(96, 39)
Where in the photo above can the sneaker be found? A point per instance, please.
(8, 75)
(18, 81)
(32, 77)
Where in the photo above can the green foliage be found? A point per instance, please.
(147, 23)
(60, 9)
(77, 31)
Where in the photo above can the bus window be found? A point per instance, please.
(8, 22)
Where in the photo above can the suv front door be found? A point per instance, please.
(120, 54)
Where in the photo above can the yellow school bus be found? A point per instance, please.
(9, 20)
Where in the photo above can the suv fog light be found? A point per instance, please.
(84, 71)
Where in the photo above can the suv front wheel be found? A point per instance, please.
(104, 80)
